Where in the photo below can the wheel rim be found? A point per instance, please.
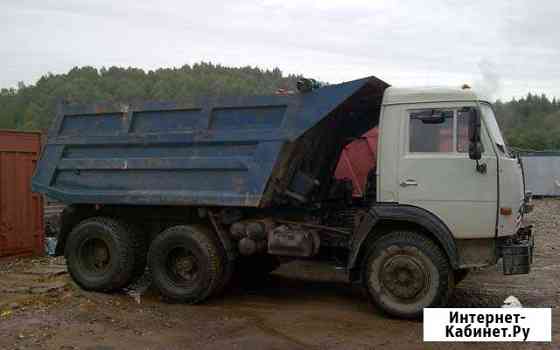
(95, 255)
(405, 278)
(183, 266)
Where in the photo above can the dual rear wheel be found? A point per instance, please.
(187, 263)
(105, 254)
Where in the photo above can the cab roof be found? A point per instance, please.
(398, 95)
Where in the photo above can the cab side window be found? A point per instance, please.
(431, 131)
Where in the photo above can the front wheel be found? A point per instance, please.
(405, 272)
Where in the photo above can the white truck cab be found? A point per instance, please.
(482, 201)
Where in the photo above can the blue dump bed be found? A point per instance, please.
(255, 151)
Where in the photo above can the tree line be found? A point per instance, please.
(33, 107)
(531, 122)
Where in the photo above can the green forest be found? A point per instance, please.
(528, 123)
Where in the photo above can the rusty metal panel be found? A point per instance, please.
(21, 211)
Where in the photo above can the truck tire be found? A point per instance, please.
(404, 272)
(100, 254)
(186, 263)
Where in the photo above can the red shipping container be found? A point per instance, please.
(21, 211)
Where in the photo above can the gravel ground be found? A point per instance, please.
(300, 306)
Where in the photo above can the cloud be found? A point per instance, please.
(405, 43)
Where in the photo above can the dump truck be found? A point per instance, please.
(403, 189)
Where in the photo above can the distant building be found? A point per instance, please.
(542, 172)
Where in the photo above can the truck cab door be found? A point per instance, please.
(436, 174)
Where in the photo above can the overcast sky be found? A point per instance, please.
(507, 48)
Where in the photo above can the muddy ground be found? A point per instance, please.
(300, 306)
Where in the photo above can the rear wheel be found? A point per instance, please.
(186, 263)
(405, 272)
(100, 254)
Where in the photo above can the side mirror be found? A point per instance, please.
(475, 144)
(475, 150)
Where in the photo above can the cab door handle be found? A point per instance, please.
(409, 182)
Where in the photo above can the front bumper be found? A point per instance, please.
(517, 251)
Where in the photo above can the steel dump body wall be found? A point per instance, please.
(217, 152)
(21, 212)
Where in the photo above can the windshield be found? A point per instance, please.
(493, 127)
